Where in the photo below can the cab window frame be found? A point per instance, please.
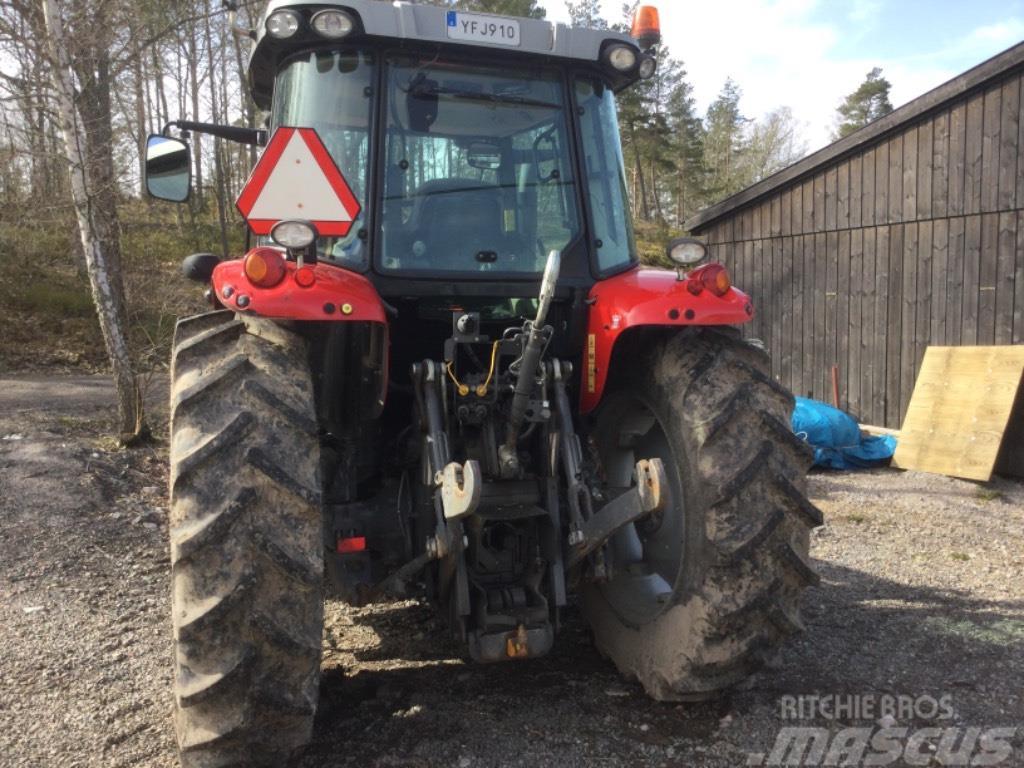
(365, 264)
(570, 253)
(580, 256)
(574, 74)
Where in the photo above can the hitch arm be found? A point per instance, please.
(648, 496)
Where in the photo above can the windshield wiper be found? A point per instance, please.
(493, 98)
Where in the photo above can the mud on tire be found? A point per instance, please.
(742, 525)
(246, 542)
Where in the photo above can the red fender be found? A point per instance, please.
(335, 295)
(647, 297)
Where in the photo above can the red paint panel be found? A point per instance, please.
(335, 289)
(647, 297)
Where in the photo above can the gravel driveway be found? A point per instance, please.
(921, 600)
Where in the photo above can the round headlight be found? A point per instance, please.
(622, 57)
(648, 67)
(283, 24)
(333, 24)
(293, 235)
(687, 251)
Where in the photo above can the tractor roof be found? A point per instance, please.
(404, 21)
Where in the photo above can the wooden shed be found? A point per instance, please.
(905, 234)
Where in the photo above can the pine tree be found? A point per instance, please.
(866, 104)
(724, 142)
(686, 143)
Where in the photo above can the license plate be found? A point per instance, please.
(475, 28)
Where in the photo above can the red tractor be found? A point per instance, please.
(440, 369)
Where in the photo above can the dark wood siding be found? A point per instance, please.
(914, 240)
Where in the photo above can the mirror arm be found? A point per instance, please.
(249, 136)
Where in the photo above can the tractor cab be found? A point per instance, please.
(473, 145)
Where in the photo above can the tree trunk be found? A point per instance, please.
(99, 233)
(140, 120)
(655, 193)
(248, 106)
(162, 110)
(197, 141)
(218, 166)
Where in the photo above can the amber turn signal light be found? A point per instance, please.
(712, 277)
(264, 267)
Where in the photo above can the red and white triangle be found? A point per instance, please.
(296, 178)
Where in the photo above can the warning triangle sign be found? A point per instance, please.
(296, 178)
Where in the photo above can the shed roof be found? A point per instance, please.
(999, 65)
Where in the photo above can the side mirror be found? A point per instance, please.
(168, 169)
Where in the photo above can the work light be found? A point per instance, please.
(648, 67)
(293, 235)
(333, 24)
(283, 24)
(687, 251)
(622, 57)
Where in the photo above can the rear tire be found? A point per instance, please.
(702, 596)
(246, 542)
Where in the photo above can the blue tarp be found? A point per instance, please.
(836, 437)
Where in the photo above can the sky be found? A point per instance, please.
(808, 54)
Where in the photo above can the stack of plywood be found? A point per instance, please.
(966, 416)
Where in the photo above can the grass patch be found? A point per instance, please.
(46, 304)
(989, 494)
(855, 518)
(83, 425)
(50, 297)
(963, 557)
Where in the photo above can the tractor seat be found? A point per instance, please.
(456, 219)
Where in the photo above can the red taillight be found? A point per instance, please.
(713, 277)
(264, 267)
(351, 544)
(305, 277)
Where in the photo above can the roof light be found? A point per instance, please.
(647, 26)
(622, 57)
(264, 266)
(333, 24)
(293, 234)
(283, 24)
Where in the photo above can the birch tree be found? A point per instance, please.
(97, 219)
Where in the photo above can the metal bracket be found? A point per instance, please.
(461, 486)
(648, 496)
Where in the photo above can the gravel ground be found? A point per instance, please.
(922, 597)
